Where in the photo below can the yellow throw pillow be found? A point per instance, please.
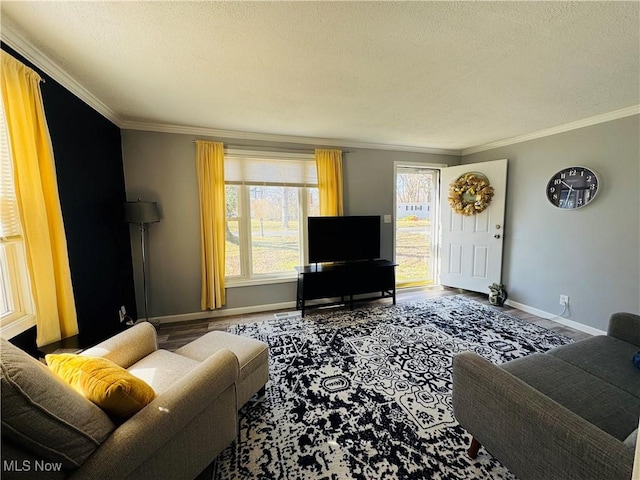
(106, 384)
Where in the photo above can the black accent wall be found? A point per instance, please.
(88, 157)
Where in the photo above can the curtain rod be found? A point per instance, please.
(268, 148)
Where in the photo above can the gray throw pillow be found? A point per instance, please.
(44, 415)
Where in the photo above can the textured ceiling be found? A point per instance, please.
(446, 75)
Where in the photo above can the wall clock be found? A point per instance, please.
(572, 187)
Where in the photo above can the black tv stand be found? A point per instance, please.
(345, 280)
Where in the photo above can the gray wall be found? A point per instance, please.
(161, 167)
(591, 254)
(369, 189)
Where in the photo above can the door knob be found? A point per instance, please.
(497, 235)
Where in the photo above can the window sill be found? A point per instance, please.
(16, 327)
(252, 282)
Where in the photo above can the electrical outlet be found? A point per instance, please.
(122, 313)
(564, 299)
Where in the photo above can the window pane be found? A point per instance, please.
(232, 252)
(232, 234)
(232, 199)
(263, 169)
(313, 202)
(275, 246)
(15, 297)
(415, 228)
(9, 215)
(5, 285)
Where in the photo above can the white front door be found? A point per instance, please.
(471, 246)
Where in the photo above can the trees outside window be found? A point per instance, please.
(266, 220)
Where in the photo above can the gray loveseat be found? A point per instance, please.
(570, 413)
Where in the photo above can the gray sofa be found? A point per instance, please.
(49, 431)
(570, 413)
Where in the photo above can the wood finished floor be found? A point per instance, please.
(174, 335)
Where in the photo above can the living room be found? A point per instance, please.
(106, 157)
(546, 251)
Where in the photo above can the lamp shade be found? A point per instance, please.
(141, 212)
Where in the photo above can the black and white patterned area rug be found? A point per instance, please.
(366, 394)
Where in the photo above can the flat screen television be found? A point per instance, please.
(344, 239)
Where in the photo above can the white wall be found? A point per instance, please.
(591, 254)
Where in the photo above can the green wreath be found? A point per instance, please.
(470, 193)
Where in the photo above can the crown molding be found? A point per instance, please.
(587, 122)
(12, 36)
(272, 137)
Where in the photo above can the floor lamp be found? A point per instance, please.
(142, 214)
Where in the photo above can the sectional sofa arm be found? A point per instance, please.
(128, 347)
(140, 437)
(532, 435)
(625, 326)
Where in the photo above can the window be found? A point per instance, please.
(16, 308)
(416, 236)
(268, 199)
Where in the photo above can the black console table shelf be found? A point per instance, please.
(344, 280)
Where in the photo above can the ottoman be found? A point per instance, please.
(253, 357)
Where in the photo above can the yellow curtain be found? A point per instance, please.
(329, 165)
(37, 192)
(210, 171)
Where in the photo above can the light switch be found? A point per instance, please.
(387, 219)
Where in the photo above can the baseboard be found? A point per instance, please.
(227, 312)
(223, 312)
(555, 318)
